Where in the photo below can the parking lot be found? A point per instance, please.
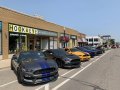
(96, 74)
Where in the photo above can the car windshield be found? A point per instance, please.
(60, 52)
(74, 50)
(89, 48)
(82, 48)
(33, 55)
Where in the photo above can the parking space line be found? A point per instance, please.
(47, 87)
(8, 83)
(61, 84)
(66, 73)
(40, 87)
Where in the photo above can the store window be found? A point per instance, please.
(17, 42)
(73, 37)
(96, 39)
(91, 40)
(51, 42)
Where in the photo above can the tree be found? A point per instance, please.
(112, 41)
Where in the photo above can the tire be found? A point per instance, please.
(59, 63)
(20, 76)
(12, 68)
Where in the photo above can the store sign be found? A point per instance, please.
(46, 33)
(73, 37)
(0, 26)
(23, 29)
(62, 34)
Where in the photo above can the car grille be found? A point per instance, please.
(75, 61)
(42, 71)
(86, 55)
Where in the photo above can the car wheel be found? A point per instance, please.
(59, 63)
(12, 68)
(19, 76)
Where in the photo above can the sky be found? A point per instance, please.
(91, 17)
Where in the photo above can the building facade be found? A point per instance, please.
(94, 40)
(21, 32)
(82, 39)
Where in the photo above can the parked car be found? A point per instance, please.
(113, 46)
(84, 56)
(91, 52)
(33, 67)
(62, 58)
(100, 48)
(94, 49)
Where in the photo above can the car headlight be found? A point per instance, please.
(67, 60)
(26, 70)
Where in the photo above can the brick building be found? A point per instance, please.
(19, 31)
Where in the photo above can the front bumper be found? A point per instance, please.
(72, 65)
(41, 78)
(86, 58)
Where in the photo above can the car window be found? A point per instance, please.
(32, 55)
(74, 50)
(59, 52)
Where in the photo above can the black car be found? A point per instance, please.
(62, 58)
(33, 67)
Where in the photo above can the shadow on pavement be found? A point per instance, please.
(95, 87)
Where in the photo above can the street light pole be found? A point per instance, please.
(64, 37)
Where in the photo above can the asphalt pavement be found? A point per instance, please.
(100, 73)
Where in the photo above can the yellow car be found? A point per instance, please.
(84, 56)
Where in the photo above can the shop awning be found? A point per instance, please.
(82, 40)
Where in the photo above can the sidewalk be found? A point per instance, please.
(5, 63)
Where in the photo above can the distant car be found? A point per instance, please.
(91, 52)
(100, 48)
(113, 46)
(33, 67)
(63, 58)
(84, 56)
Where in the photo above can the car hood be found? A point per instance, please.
(71, 56)
(38, 64)
(78, 53)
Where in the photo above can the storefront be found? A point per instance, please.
(21, 32)
(82, 42)
(63, 41)
(73, 40)
(23, 38)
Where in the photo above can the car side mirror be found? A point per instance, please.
(14, 57)
(51, 53)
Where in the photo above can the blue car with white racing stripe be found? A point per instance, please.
(33, 67)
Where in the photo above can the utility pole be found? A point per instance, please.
(64, 38)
